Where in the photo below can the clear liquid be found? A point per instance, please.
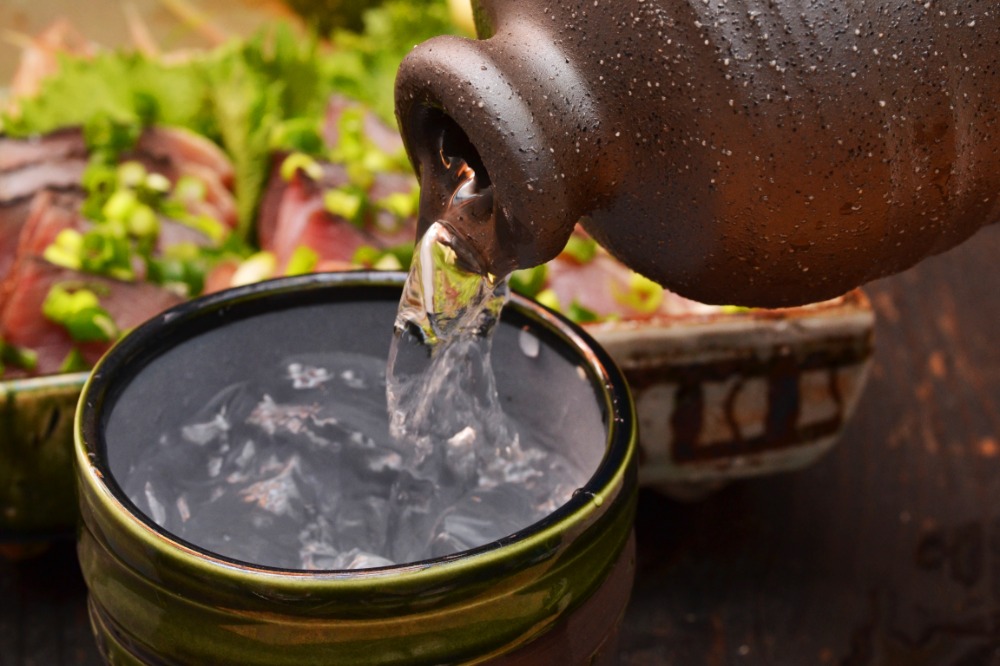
(444, 409)
(295, 468)
(445, 412)
(333, 460)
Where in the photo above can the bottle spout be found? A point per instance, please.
(485, 163)
(456, 190)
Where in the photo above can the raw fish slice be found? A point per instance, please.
(25, 181)
(269, 211)
(292, 213)
(50, 213)
(26, 285)
(12, 219)
(58, 145)
(219, 201)
(44, 216)
(22, 323)
(303, 220)
(184, 148)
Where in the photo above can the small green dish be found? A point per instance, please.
(37, 491)
(552, 592)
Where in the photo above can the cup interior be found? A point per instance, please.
(552, 379)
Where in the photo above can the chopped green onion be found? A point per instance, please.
(360, 176)
(182, 268)
(388, 262)
(99, 178)
(131, 174)
(302, 261)
(403, 205)
(643, 295)
(170, 273)
(62, 303)
(66, 250)
(80, 313)
(21, 357)
(529, 282)
(189, 188)
(300, 162)
(581, 249)
(74, 362)
(375, 160)
(347, 203)
(157, 182)
(580, 314)
(366, 255)
(120, 205)
(143, 223)
(106, 251)
(548, 298)
(256, 267)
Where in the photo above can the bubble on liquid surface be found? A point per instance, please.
(528, 343)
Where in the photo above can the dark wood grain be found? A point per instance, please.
(43, 611)
(886, 552)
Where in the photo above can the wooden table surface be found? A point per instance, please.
(886, 552)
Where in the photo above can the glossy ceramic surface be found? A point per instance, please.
(751, 153)
(155, 599)
(726, 396)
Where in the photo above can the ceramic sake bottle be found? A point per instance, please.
(756, 152)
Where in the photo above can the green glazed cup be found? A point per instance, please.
(551, 593)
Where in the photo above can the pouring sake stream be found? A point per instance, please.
(752, 152)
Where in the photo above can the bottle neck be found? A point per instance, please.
(511, 116)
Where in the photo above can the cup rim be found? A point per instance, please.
(527, 543)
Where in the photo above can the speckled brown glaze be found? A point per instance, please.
(740, 151)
